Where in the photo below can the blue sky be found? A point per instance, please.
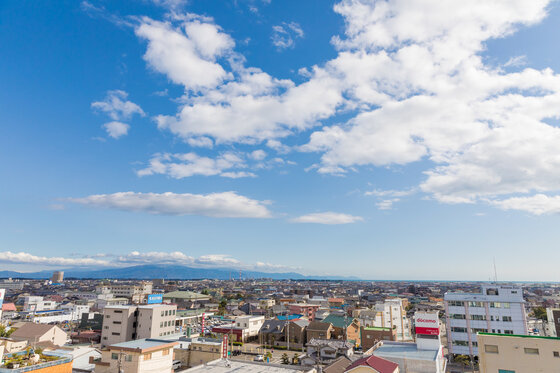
(407, 140)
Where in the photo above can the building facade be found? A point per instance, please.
(518, 353)
(497, 309)
(126, 323)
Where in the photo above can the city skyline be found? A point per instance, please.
(407, 140)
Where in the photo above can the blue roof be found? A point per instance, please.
(405, 350)
(289, 317)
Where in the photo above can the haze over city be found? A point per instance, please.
(381, 140)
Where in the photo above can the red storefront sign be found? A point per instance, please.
(224, 346)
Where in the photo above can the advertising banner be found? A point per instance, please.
(155, 298)
(426, 323)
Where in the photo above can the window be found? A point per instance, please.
(161, 324)
(128, 358)
(495, 305)
(506, 318)
(165, 352)
(505, 305)
(457, 316)
(162, 313)
(455, 303)
(506, 331)
(118, 311)
(478, 317)
(115, 333)
(476, 304)
(556, 353)
(491, 349)
(114, 356)
(116, 322)
(475, 344)
(531, 351)
(108, 316)
(477, 330)
(461, 343)
(147, 356)
(166, 312)
(458, 329)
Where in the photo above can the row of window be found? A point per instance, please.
(165, 324)
(168, 313)
(459, 316)
(479, 330)
(458, 303)
(493, 349)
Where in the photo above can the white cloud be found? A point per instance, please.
(218, 205)
(411, 76)
(258, 155)
(386, 204)
(327, 218)
(517, 61)
(26, 258)
(140, 258)
(285, 34)
(538, 204)
(179, 166)
(116, 129)
(186, 53)
(117, 107)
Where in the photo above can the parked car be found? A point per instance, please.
(259, 358)
(176, 364)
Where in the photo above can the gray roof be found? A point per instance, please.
(141, 344)
(220, 366)
(405, 350)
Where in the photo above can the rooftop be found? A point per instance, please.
(519, 336)
(405, 350)
(142, 345)
(185, 295)
(219, 366)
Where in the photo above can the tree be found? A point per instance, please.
(295, 359)
(285, 358)
(205, 292)
(5, 333)
(539, 313)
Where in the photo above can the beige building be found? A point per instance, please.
(57, 277)
(139, 356)
(10, 345)
(137, 293)
(197, 351)
(518, 353)
(126, 323)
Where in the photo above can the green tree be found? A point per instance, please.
(205, 292)
(539, 313)
(5, 333)
(285, 358)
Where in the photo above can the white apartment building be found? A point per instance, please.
(391, 314)
(135, 292)
(126, 323)
(37, 303)
(252, 324)
(497, 309)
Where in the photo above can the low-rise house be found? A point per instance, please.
(272, 332)
(372, 335)
(307, 310)
(186, 299)
(295, 333)
(142, 355)
(325, 351)
(40, 333)
(344, 328)
(373, 364)
(319, 330)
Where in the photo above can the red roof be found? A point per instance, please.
(379, 364)
(8, 307)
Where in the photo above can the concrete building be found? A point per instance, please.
(10, 284)
(57, 277)
(424, 356)
(553, 322)
(496, 309)
(197, 351)
(136, 293)
(139, 356)
(319, 330)
(223, 366)
(518, 353)
(125, 323)
(186, 299)
(391, 313)
(59, 363)
(372, 335)
(307, 310)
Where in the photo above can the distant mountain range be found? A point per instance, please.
(175, 272)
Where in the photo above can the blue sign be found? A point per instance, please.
(155, 298)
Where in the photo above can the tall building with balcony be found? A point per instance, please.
(126, 323)
(496, 309)
(57, 277)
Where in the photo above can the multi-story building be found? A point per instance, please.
(497, 309)
(518, 353)
(57, 277)
(125, 323)
(307, 310)
(553, 322)
(10, 284)
(137, 293)
(392, 314)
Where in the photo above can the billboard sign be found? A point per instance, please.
(225, 346)
(155, 298)
(426, 323)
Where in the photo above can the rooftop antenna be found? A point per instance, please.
(495, 272)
